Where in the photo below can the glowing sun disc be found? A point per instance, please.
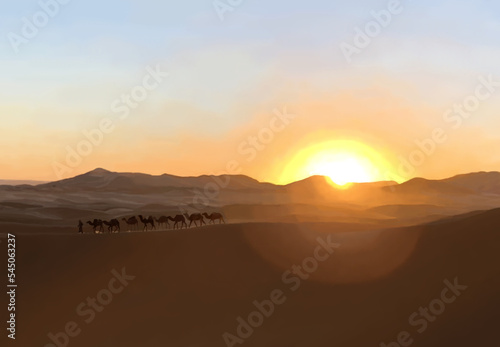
(343, 169)
(343, 161)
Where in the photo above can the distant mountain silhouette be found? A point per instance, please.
(472, 183)
(483, 182)
(106, 195)
(322, 187)
(20, 183)
(385, 193)
(104, 180)
(323, 182)
(424, 186)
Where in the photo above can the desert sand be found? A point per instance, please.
(190, 286)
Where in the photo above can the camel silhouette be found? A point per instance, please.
(95, 224)
(163, 221)
(132, 221)
(178, 219)
(113, 224)
(146, 222)
(214, 217)
(194, 218)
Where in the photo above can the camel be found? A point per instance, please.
(215, 216)
(195, 217)
(107, 224)
(96, 223)
(147, 221)
(163, 221)
(132, 221)
(178, 219)
(114, 223)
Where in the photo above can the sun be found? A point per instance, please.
(343, 161)
(343, 168)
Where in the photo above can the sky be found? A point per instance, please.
(252, 87)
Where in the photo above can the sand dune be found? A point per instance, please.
(396, 250)
(191, 286)
(106, 195)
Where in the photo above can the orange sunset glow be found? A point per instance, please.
(250, 173)
(342, 161)
(194, 107)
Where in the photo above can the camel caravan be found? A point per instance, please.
(151, 223)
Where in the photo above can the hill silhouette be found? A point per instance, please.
(106, 195)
